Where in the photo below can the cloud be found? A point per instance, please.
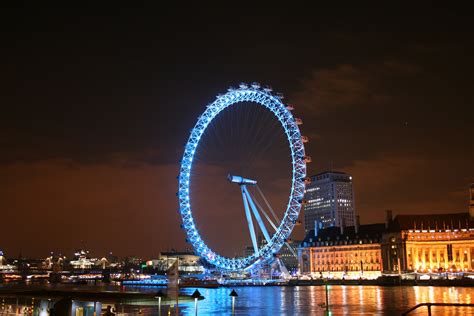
(409, 184)
(347, 85)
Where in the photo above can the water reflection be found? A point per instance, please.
(353, 300)
(303, 300)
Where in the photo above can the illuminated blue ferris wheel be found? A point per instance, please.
(282, 227)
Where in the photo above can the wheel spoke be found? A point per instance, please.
(273, 103)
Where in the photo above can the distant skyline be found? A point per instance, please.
(98, 103)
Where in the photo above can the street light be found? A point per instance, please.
(196, 295)
(233, 294)
(326, 305)
(159, 295)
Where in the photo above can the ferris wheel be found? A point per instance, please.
(281, 226)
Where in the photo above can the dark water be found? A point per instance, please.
(306, 300)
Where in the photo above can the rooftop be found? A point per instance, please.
(367, 234)
(432, 221)
(331, 176)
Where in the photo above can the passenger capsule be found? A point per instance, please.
(298, 121)
(304, 139)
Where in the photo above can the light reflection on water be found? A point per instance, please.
(307, 300)
(343, 300)
(352, 300)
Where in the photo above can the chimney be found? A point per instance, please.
(388, 218)
(357, 224)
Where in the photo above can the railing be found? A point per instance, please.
(429, 305)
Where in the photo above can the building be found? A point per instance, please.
(429, 243)
(249, 250)
(4, 266)
(188, 262)
(329, 201)
(351, 253)
(53, 262)
(289, 257)
(82, 261)
(404, 244)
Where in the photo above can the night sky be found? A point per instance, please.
(97, 104)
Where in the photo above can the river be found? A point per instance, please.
(302, 300)
(343, 300)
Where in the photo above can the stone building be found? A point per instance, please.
(350, 252)
(329, 201)
(404, 244)
(429, 243)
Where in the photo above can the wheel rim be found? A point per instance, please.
(272, 102)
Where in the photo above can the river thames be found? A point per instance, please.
(277, 300)
(343, 300)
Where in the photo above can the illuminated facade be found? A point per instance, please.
(187, 262)
(4, 266)
(82, 261)
(329, 201)
(352, 252)
(430, 243)
(452, 250)
(407, 243)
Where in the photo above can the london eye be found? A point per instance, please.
(260, 216)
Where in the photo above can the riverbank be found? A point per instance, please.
(88, 293)
(383, 281)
